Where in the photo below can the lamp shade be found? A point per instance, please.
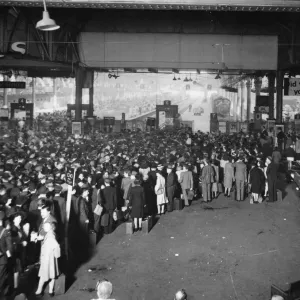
(46, 23)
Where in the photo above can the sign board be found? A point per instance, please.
(232, 127)
(109, 121)
(222, 126)
(70, 176)
(20, 114)
(12, 85)
(263, 109)
(292, 86)
(244, 127)
(3, 114)
(76, 128)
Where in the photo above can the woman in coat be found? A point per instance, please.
(136, 204)
(50, 252)
(160, 191)
(228, 176)
(215, 184)
(257, 182)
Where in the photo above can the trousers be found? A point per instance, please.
(240, 190)
(206, 191)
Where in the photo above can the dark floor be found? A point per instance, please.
(234, 251)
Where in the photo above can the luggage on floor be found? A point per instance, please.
(178, 204)
(60, 285)
(190, 195)
(279, 195)
(129, 227)
(147, 224)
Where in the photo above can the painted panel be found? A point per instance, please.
(148, 50)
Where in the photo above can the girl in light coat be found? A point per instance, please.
(50, 252)
(160, 191)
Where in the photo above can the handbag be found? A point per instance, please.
(160, 191)
(190, 195)
(98, 210)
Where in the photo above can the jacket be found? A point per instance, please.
(186, 180)
(240, 171)
(5, 245)
(171, 180)
(208, 174)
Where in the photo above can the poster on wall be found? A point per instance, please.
(244, 127)
(162, 119)
(292, 86)
(76, 128)
(222, 127)
(232, 128)
(20, 114)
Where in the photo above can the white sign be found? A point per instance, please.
(20, 114)
(76, 128)
(294, 87)
(222, 127)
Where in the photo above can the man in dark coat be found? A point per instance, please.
(272, 175)
(6, 249)
(171, 184)
(59, 205)
(108, 197)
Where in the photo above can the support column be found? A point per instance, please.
(257, 83)
(279, 95)
(91, 96)
(78, 93)
(238, 102)
(5, 94)
(271, 80)
(242, 100)
(248, 87)
(234, 103)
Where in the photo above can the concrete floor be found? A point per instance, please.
(234, 251)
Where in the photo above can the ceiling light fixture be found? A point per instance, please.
(46, 24)
(174, 77)
(190, 78)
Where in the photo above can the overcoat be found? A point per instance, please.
(50, 252)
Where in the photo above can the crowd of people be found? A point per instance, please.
(118, 177)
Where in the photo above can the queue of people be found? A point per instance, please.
(129, 173)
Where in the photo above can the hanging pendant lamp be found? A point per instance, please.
(46, 24)
(174, 77)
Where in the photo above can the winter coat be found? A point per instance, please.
(50, 252)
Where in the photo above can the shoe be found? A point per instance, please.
(140, 229)
(40, 294)
(51, 294)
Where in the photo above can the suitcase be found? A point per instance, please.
(233, 194)
(60, 285)
(178, 204)
(169, 207)
(129, 227)
(279, 195)
(147, 224)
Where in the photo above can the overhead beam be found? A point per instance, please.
(213, 5)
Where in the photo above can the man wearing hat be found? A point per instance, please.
(171, 184)
(59, 208)
(6, 249)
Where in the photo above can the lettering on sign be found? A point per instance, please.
(70, 176)
(292, 86)
(19, 47)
